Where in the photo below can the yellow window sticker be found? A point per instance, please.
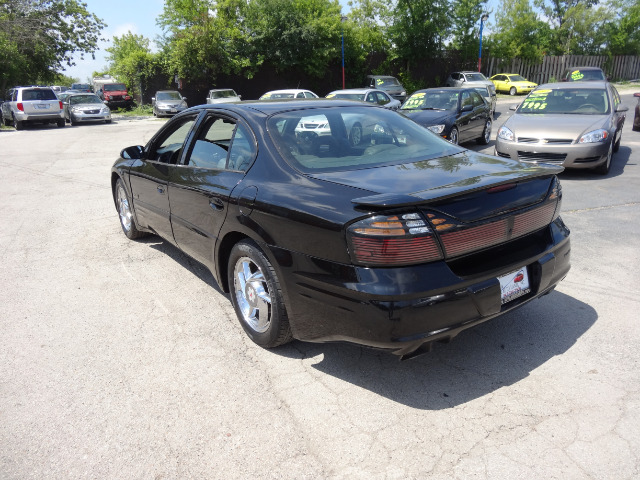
(379, 81)
(414, 101)
(577, 75)
(331, 95)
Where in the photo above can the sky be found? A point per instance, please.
(121, 16)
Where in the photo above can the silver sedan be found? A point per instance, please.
(576, 125)
(369, 95)
(85, 107)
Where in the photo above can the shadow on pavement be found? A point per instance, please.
(479, 361)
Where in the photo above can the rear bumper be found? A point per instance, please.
(40, 117)
(569, 156)
(403, 310)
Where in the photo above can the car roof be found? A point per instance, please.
(573, 85)
(290, 90)
(449, 89)
(357, 90)
(220, 89)
(270, 107)
(583, 68)
(166, 91)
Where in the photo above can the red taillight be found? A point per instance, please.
(60, 105)
(393, 240)
(20, 107)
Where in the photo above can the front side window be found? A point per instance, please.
(168, 147)
(466, 99)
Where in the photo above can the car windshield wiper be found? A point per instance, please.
(432, 108)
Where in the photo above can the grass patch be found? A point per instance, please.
(138, 111)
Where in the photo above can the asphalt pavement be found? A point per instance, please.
(122, 359)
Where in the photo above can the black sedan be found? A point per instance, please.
(457, 114)
(636, 118)
(377, 233)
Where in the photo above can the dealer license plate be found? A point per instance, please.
(172, 110)
(42, 107)
(514, 285)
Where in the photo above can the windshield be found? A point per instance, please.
(438, 100)
(352, 138)
(223, 94)
(475, 77)
(113, 87)
(347, 96)
(168, 96)
(387, 82)
(274, 96)
(78, 99)
(581, 101)
(516, 78)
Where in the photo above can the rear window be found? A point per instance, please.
(352, 138)
(38, 94)
(579, 75)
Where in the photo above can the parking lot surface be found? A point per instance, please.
(122, 359)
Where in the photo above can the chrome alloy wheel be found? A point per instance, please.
(252, 295)
(487, 132)
(123, 208)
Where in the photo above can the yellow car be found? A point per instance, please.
(512, 83)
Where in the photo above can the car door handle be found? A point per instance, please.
(216, 204)
(160, 189)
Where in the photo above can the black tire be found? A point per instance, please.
(512, 91)
(7, 122)
(616, 146)
(125, 212)
(17, 124)
(606, 166)
(107, 121)
(72, 121)
(355, 134)
(257, 297)
(60, 122)
(486, 133)
(454, 136)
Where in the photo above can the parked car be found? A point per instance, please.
(577, 125)
(223, 95)
(370, 95)
(81, 87)
(85, 107)
(489, 96)
(512, 83)
(59, 89)
(636, 118)
(168, 102)
(114, 94)
(469, 79)
(397, 242)
(286, 94)
(388, 84)
(456, 114)
(583, 74)
(25, 105)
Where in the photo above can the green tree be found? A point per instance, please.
(519, 32)
(39, 37)
(563, 17)
(466, 26)
(419, 29)
(623, 31)
(296, 34)
(130, 60)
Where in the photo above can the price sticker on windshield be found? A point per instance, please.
(415, 101)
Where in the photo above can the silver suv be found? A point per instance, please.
(470, 79)
(30, 105)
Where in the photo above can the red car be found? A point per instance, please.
(636, 120)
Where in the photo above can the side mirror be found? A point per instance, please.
(466, 108)
(514, 107)
(184, 98)
(622, 108)
(637, 94)
(153, 99)
(105, 102)
(240, 97)
(132, 153)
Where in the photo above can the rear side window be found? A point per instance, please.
(38, 94)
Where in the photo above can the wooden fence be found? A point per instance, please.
(623, 67)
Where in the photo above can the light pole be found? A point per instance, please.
(483, 18)
(342, 20)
